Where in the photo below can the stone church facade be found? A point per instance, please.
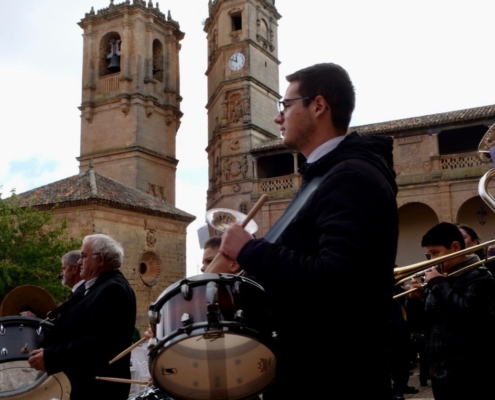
(130, 115)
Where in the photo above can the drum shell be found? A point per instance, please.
(16, 332)
(235, 294)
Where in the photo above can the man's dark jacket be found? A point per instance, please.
(329, 276)
(92, 332)
(458, 315)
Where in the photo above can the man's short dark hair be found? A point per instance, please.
(333, 83)
(213, 242)
(443, 234)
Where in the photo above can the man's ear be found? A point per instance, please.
(320, 105)
(456, 246)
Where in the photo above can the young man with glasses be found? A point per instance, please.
(94, 326)
(329, 268)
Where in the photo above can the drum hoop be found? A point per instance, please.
(199, 280)
(157, 350)
(189, 331)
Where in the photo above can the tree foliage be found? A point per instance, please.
(31, 245)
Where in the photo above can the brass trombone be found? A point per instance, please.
(403, 274)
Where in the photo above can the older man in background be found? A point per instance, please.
(93, 326)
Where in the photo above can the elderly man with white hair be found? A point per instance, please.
(93, 326)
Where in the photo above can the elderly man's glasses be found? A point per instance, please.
(283, 103)
(83, 256)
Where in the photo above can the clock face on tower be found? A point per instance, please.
(236, 61)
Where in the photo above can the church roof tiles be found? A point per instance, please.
(93, 188)
(408, 124)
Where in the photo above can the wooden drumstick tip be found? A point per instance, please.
(121, 380)
(128, 350)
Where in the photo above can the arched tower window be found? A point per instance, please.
(110, 54)
(263, 29)
(157, 60)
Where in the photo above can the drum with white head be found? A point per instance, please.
(215, 338)
(18, 337)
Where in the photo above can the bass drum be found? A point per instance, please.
(214, 338)
(18, 337)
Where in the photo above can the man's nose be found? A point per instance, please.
(278, 118)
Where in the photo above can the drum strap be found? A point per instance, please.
(71, 302)
(274, 233)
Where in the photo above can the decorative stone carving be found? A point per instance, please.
(149, 110)
(246, 101)
(88, 114)
(235, 168)
(149, 268)
(125, 105)
(236, 188)
(169, 119)
(151, 238)
(236, 109)
(427, 166)
(235, 144)
(225, 104)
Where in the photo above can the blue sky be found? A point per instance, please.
(406, 59)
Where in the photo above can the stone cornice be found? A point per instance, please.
(114, 10)
(123, 150)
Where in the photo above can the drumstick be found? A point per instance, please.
(129, 349)
(248, 218)
(120, 380)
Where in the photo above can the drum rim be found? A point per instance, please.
(197, 280)
(157, 352)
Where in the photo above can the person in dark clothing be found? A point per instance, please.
(471, 238)
(400, 348)
(339, 244)
(457, 308)
(93, 326)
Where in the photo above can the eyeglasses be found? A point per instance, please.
(283, 103)
(84, 256)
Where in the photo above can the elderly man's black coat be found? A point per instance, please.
(92, 332)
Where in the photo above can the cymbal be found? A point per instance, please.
(221, 218)
(27, 297)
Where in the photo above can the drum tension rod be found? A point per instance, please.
(212, 311)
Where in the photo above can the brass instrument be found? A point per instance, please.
(221, 263)
(403, 274)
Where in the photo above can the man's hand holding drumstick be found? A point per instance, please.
(233, 240)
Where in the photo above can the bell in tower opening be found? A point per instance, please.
(114, 56)
(110, 46)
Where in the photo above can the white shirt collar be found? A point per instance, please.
(324, 149)
(77, 285)
(88, 284)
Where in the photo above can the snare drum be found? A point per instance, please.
(214, 338)
(18, 337)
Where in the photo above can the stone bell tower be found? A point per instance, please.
(243, 85)
(131, 96)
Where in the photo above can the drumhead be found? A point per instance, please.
(21, 382)
(233, 366)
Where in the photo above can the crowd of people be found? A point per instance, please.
(334, 246)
